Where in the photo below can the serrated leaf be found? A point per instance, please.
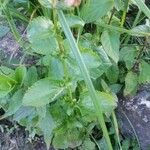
(144, 76)
(41, 36)
(111, 43)
(47, 125)
(128, 55)
(112, 73)
(67, 138)
(87, 145)
(15, 103)
(107, 101)
(95, 9)
(23, 112)
(131, 82)
(46, 3)
(37, 98)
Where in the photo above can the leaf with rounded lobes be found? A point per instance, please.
(41, 36)
(95, 9)
(74, 21)
(43, 92)
(131, 82)
(111, 43)
(144, 76)
(108, 103)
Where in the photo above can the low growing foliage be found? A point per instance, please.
(73, 85)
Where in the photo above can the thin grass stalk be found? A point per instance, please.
(122, 30)
(116, 129)
(86, 76)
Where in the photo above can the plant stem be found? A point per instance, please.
(116, 129)
(124, 13)
(122, 30)
(62, 51)
(86, 76)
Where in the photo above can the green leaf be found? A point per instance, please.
(112, 73)
(74, 21)
(115, 88)
(107, 101)
(8, 71)
(128, 55)
(131, 83)
(111, 43)
(144, 76)
(97, 63)
(23, 112)
(31, 76)
(3, 30)
(95, 9)
(87, 145)
(67, 138)
(14, 103)
(141, 28)
(118, 4)
(46, 3)
(102, 144)
(41, 36)
(6, 85)
(20, 74)
(51, 90)
(47, 125)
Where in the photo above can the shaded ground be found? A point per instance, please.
(16, 138)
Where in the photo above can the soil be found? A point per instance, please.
(17, 138)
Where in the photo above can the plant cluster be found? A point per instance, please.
(86, 57)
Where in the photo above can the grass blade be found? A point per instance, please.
(143, 7)
(86, 76)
